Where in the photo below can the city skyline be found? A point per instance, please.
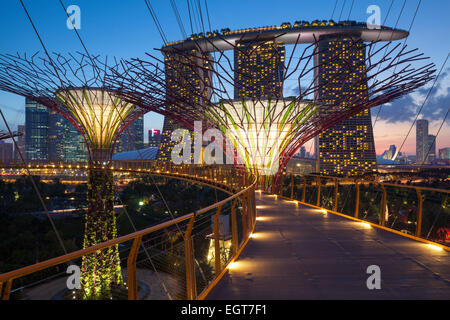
(224, 151)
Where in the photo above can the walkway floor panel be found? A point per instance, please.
(301, 253)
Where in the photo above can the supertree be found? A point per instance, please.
(266, 128)
(73, 86)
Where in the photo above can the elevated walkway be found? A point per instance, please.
(299, 252)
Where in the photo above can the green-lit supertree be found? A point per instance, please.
(244, 98)
(74, 87)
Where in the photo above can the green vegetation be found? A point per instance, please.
(27, 238)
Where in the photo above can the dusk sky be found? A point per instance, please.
(125, 29)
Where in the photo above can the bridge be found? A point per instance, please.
(312, 237)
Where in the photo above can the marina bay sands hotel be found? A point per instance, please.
(346, 149)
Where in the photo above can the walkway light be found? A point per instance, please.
(434, 247)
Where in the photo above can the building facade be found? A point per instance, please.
(36, 130)
(132, 138)
(258, 70)
(6, 151)
(347, 148)
(425, 143)
(154, 138)
(49, 136)
(444, 153)
(431, 148)
(183, 78)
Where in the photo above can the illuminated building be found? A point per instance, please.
(132, 138)
(257, 77)
(6, 151)
(51, 136)
(431, 148)
(100, 116)
(347, 148)
(36, 130)
(184, 74)
(421, 140)
(154, 138)
(444, 153)
(261, 130)
(20, 141)
(258, 70)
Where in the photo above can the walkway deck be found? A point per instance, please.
(301, 253)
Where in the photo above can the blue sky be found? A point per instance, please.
(125, 29)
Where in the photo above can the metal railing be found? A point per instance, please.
(192, 227)
(415, 210)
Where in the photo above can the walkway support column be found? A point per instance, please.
(191, 288)
(318, 192)
(357, 199)
(419, 213)
(383, 206)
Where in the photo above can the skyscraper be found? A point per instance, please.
(36, 130)
(20, 140)
(6, 151)
(154, 138)
(55, 132)
(49, 136)
(132, 138)
(258, 70)
(421, 140)
(431, 148)
(74, 147)
(348, 148)
(183, 79)
(444, 153)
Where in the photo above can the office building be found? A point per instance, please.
(6, 151)
(36, 130)
(258, 70)
(132, 138)
(20, 141)
(444, 153)
(183, 79)
(154, 138)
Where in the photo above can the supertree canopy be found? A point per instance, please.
(74, 87)
(244, 98)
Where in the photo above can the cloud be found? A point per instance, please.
(406, 107)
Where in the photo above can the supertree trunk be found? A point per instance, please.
(100, 271)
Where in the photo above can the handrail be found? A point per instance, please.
(358, 182)
(378, 182)
(216, 179)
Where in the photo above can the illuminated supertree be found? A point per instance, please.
(265, 127)
(73, 86)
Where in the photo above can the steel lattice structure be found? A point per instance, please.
(388, 74)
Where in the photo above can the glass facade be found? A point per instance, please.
(49, 136)
(421, 140)
(347, 148)
(36, 130)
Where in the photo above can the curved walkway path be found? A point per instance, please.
(301, 253)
